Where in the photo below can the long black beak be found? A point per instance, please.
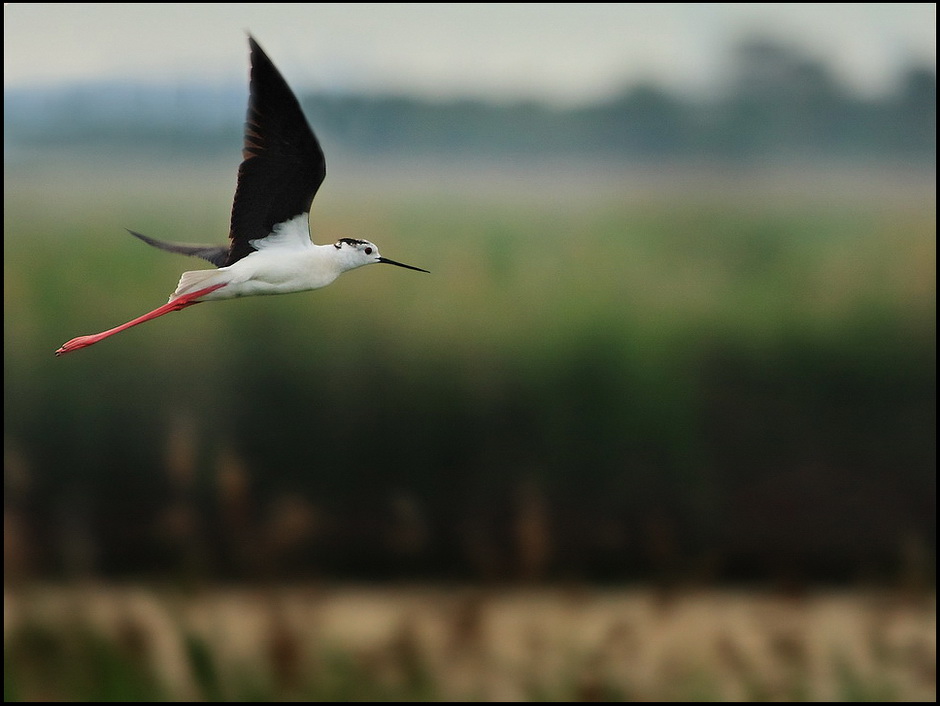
(386, 261)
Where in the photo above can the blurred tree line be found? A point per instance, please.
(777, 105)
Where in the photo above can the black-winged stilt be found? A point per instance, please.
(269, 250)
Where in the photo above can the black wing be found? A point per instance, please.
(283, 164)
(216, 254)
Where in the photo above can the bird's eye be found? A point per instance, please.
(368, 251)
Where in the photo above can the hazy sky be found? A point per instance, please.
(555, 51)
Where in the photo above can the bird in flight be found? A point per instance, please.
(269, 249)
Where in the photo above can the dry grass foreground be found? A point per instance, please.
(426, 643)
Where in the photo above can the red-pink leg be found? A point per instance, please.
(179, 303)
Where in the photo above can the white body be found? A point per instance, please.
(286, 261)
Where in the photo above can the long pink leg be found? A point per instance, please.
(175, 305)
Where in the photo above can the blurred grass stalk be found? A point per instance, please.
(347, 643)
(635, 367)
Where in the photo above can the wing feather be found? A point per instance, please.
(216, 254)
(283, 164)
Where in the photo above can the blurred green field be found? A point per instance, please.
(673, 382)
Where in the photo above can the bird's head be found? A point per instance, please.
(356, 253)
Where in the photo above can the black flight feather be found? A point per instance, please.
(282, 168)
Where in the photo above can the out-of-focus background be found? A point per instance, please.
(660, 425)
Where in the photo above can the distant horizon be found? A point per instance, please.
(239, 86)
(778, 105)
(562, 53)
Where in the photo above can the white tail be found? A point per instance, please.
(193, 280)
